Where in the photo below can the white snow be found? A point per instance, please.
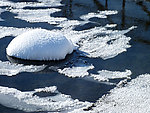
(9, 69)
(133, 98)
(40, 44)
(29, 102)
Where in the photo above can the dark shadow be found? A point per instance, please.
(68, 58)
(123, 14)
(99, 5)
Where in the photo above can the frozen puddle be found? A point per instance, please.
(9, 69)
(30, 102)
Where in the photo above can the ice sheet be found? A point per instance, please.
(9, 69)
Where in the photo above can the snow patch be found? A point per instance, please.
(9, 69)
(134, 97)
(40, 44)
(29, 102)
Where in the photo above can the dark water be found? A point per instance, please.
(136, 59)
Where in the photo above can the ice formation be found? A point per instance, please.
(40, 44)
(30, 102)
(79, 69)
(105, 75)
(9, 69)
(134, 97)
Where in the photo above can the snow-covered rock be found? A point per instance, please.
(40, 44)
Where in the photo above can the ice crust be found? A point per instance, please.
(134, 97)
(29, 102)
(40, 44)
(9, 69)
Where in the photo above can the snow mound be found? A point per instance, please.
(30, 102)
(6, 68)
(40, 44)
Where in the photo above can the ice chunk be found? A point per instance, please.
(134, 97)
(40, 44)
(9, 69)
(29, 102)
(79, 69)
(105, 75)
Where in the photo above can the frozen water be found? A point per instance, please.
(134, 97)
(108, 46)
(9, 69)
(40, 44)
(79, 69)
(105, 75)
(29, 102)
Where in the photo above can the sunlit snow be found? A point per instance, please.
(30, 102)
(40, 44)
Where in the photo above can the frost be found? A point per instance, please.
(9, 69)
(40, 44)
(30, 102)
(79, 69)
(134, 97)
(105, 75)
